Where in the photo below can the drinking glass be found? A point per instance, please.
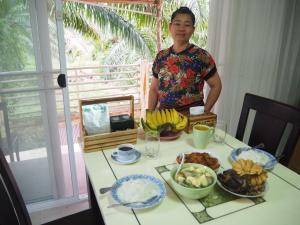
(152, 140)
(220, 130)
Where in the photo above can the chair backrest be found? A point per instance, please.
(12, 207)
(269, 124)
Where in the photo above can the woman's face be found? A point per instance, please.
(181, 28)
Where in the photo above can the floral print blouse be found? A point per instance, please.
(181, 76)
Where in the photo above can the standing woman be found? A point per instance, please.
(179, 72)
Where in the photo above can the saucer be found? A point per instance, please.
(136, 157)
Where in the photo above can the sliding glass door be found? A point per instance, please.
(35, 119)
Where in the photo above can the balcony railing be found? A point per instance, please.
(83, 83)
(92, 82)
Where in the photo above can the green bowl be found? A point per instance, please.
(189, 192)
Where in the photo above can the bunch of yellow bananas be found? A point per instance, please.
(164, 119)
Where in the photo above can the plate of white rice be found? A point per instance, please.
(138, 188)
(258, 156)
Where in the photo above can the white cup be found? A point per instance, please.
(197, 110)
(124, 152)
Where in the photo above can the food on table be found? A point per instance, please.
(200, 158)
(256, 156)
(194, 177)
(137, 190)
(244, 167)
(254, 174)
(245, 177)
(164, 121)
(232, 181)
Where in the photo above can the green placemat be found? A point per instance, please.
(217, 197)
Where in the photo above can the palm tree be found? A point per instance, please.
(93, 21)
(142, 17)
(144, 21)
(134, 23)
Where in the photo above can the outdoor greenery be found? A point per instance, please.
(132, 27)
(15, 35)
(109, 34)
(94, 34)
(109, 27)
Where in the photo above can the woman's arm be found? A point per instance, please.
(214, 82)
(153, 94)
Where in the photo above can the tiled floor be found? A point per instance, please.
(40, 217)
(39, 156)
(35, 162)
(47, 215)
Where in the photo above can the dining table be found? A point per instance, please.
(279, 205)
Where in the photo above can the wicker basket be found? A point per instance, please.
(107, 140)
(209, 119)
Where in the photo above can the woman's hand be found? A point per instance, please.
(214, 82)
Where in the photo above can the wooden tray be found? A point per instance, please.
(103, 141)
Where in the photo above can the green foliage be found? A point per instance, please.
(94, 20)
(199, 8)
(133, 25)
(15, 35)
(75, 17)
(146, 25)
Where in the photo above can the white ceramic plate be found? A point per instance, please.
(241, 195)
(234, 156)
(153, 185)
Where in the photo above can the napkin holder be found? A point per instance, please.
(209, 119)
(98, 142)
(121, 122)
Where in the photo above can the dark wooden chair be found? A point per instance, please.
(270, 122)
(13, 210)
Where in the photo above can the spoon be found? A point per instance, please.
(104, 190)
(136, 202)
(240, 150)
(180, 165)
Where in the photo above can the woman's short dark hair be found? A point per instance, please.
(183, 10)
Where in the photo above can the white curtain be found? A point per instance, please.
(256, 47)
